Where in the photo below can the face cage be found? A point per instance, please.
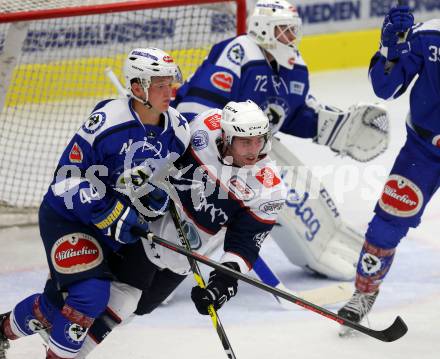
(287, 32)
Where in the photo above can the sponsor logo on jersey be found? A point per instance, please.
(76, 154)
(222, 80)
(401, 197)
(436, 141)
(168, 59)
(236, 54)
(267, 177)
(200, 140)
(240, 188)
(75, 253)
(297, 88)
(94, 123)
(272, 207)
(213, 122)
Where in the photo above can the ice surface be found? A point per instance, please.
(257, 326)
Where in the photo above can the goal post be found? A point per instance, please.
(53, 55)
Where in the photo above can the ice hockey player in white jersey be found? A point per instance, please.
(227, 186)
(92, 204)
(265, 66)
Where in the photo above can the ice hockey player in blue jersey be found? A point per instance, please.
(266, 67)
(228, 195)
(104, 179)
(406, 53)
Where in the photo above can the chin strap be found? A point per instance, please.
(146, 103)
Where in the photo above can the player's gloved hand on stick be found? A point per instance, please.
(397, 22)
(118, 220)
(156, 202)
(221, 287)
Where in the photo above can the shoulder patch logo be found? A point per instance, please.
(213, 121)
(94, 123)
(267, 177)
(222, 80)
(401, 197)
(200, 140)
(76, 154)
(236, 54)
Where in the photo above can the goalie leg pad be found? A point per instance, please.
(310, 230)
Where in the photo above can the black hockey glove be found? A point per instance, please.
(219, 290)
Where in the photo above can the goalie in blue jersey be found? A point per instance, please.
(266, 67)
(407, 52)
(103, 183)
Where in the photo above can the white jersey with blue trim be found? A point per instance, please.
(112, 147)
(237, 70)
(240, 202)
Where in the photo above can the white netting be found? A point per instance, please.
(59, 77)
(10, 6)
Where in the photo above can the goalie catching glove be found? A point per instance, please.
(221, 287)
(361, 132)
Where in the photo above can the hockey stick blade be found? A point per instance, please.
(390, 334)
(395, 331)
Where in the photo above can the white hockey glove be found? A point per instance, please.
(361, 132)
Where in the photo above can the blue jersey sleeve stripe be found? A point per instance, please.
(208, 95)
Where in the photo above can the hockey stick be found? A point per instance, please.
(114, 80)
(390, 334)
(321, 296)
(331, 294)
(199, 279)
(184, 240)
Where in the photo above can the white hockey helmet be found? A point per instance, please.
(244, 119)
(145, 63)
(272, 17)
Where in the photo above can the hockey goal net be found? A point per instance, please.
(52, 60)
